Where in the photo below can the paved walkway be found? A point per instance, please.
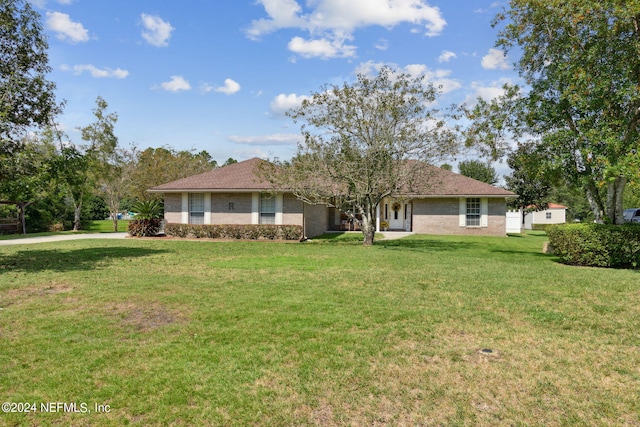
(388, 235)
(392, 235)
(61, 238)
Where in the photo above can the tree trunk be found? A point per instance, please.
(368, 231)
(76, 216)
(594, 202)
(615, 192)
(368, 225)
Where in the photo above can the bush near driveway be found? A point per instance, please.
(597, 245)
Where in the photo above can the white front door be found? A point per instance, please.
(396, 215)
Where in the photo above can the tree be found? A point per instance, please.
(30, 170)
(581, 63)
(528, 178)
(478, 170)
(358, 140)
(155, 166)
(82, 168)
(26, 97)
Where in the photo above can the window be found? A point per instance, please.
(267, 209)
(473, 212)
(196, 208)
(548, 215)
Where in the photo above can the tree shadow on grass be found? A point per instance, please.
(58, 260)
(427, 245)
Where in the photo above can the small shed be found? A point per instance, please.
(554, 214)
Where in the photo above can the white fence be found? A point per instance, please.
(514, 221)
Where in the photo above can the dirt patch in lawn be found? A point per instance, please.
(27, 293)
(146, 318)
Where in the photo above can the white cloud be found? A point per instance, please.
(156, 31)
(118, 73)
(331, 22)
(176, 84)
(263, 140)
(439, 78)
(447, 56)
(486, 92)
(321, 48)
(495, 60)
(283, 103)
(65, 28)
(230, 87)
(382, 44)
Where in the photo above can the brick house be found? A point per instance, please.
(449, 204)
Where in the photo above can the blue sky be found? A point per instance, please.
(218, 75)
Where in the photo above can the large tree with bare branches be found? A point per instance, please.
(358, 140)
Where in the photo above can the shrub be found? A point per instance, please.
(147, 220)
(597, 245)
(144, 227)
(232, 231)
(148, 209)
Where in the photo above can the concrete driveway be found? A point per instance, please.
(62, 238)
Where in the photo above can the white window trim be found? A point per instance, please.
(255, 208)
(279, 207)
(484, 213)
(207, 208)
(185, 209)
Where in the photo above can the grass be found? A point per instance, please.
(321, 333)
(96, 226)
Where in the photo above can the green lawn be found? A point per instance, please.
(323, 333)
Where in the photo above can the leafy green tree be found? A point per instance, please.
(358, 140)
(574, 199)
(27, 98)
(528, 178)
(580, 60)
(81, 168)
(31, 173)
(479, 170)
(155, 166)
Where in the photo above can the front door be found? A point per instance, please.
(396, 216)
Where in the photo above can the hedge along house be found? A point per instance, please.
(235, 194)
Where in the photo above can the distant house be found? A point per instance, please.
(554, 214)
(448, 204)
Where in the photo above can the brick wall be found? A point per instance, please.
(292, 210)
(173, 207)
(231, 208)
(316, 220)
(441, 216)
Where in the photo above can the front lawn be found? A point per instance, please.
(425, 330)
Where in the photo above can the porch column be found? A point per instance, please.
(378, 218)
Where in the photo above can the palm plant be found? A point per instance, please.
(148, 209)
(147, 220)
